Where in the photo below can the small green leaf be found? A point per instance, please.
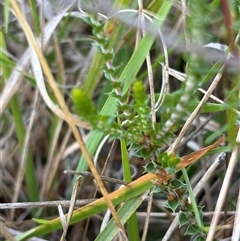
(189, 208)
(157, 189)
(171, 170)
(200, 211)
(199, 238)
(145, 153)
(192, 229)
(183, 218)
(124, 213)
(149, 167)
(172, 204)
(7, 11)
(211, 138)
(40, 221)
(177, 184)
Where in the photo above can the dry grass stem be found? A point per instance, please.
(63, 203)
(71, 207)
(223, 192)
(147, 217)
(38, 56)
(46, 181)
(5, 232)
(193, 115)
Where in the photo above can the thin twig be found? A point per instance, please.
(207, 175)
(104, 178)
(163, 214)
(189, 121)
(149, 68)
(208, 196)
(5, 232)
(46, 204)
(147, 219)
(71, 207)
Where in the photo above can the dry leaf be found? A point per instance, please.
(190, 158)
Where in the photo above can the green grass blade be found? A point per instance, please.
(124, 213)
(6, 14)
(29, 172)
(134, 189)
(36, 20)
(132, 223)
(94, 74)
(193, 201)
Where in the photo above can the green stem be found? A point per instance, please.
(133, 189)
(192, 198)
(132, 223)
(30, 177)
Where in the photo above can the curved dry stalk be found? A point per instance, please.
(38, 58)
(149, 66)
(165, 75)
(223, 192)
(16, 78)
(193, 115)
(100, 146)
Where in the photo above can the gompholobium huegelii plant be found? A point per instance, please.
(132, 120)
